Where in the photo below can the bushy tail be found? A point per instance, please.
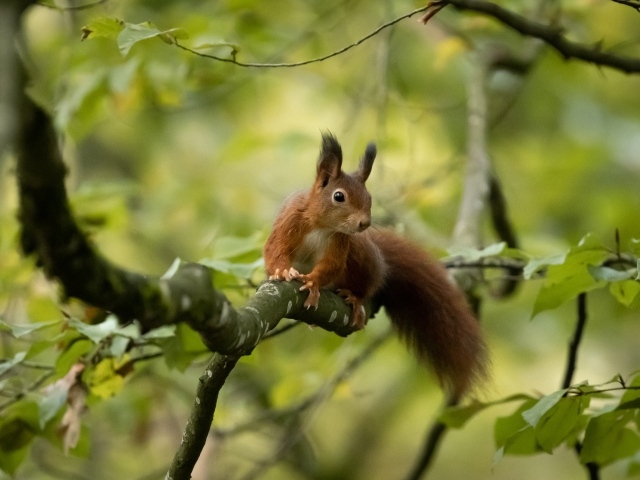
(431, 314)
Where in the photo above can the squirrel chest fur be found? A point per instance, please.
(322, 238)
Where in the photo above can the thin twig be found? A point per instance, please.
(575, 341)
(313, 60)
(31, 388)
(506, 232)
(551, 35)
(578, 393)
(593, 469)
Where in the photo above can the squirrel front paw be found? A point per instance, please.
(314, 291)
(287, 274)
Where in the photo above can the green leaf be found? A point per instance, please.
(586, 244)
(79, 105)
(172, 36)
(521, 442)
(98, 332)
(71, 355)
(11, 460)
(550, 297)
(513, 434)
(108, 328)
(226, 248)
(235, 48)
(183, 348)
(131, 331)
(9, 364)
(559, 423)
(18, 427)
(634, 466)
(50, 404)
(134, 33)
(607, 438)
(456, 417)
(533, 415)
(17, 331)
(631, 397)
(239, 270)
(118, 346)
(166, 331)
(564, 281)
(537, 264)
(626, 292)
(608, 274)
(107, 27)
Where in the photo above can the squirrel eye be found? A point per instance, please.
(338, 196)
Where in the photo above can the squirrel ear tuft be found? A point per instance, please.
(366, 163)
(330, 159)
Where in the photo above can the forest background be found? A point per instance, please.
(173, 153)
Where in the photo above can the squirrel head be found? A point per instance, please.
(340, 201)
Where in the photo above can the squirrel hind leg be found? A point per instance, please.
(358, 317)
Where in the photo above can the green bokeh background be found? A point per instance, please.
(172, 155)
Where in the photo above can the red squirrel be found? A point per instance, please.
(322, 238)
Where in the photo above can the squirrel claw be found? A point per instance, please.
(287, 274)
(291, 274)
(276, 275)
(349, 297)
(358, 318)
(314, 291)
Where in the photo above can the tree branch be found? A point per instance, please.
(199, 423)
(551, 35)
(186, 295)
(629, 3)
(468, 229)
(504, 229)
(10, 73)
(574, 345)
(294, 432)
(313, 60)
(593, 470)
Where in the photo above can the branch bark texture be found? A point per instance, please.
(187, 295)
(199, 423)
(552, 35)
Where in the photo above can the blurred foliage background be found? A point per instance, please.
(174, 155)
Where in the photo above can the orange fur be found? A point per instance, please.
(321, 238)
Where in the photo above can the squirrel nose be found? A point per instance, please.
(363, 225)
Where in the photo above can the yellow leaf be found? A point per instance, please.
(103, 380)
